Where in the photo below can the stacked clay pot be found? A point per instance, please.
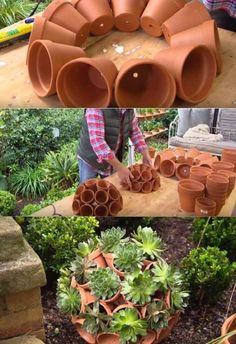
(229, 155)
(217, 187)
(145, 179)
(186, 69)
(97, 197)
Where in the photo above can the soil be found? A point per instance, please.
(196, 326)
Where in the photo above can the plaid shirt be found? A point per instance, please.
(226, 5)
(96, 127)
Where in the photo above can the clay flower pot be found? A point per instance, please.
(232, 178)
(87, 82)
(200, 174)
(109, 258)
(108, 338)
(156, 184)
(91, 184)
(86, 210)
(136, 175)
(102, 196)
(203, 157)
(114, 208)
(180, 154)
(135, 84)
(217, 183)
(147, 187)
(192, 153)
(208, 162)
(205, 207)
(167, 168)
(127, 14)
(189, 190)
(229, 155)
(146, 176)
(154, 173)
(194, 70)
(228, 326)
(183, 171)
(45, 59)
(76, 207)
(222, 165)
(62, 13)
(205, 34)
(167, 154)
(86, 297)
(192, 14)
(79, 190)
(98, 13)
(149, 338)
(101, 210)
(114, 194)
(136, 186)
(156, 13)
(190, 161)
(152, 152)
(88, 337)
(77, 285)
(98, 258)
(165, 332)
(103, 184)
(87, 196)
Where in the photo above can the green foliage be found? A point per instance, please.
(12, 11)
(208, 273)
(220, 232)
(7, 203)
(138, 287)
(111, 239)
(85, 248)
(178, 299)
(157, 316)
(69, 301)
(95, 319)
(128, 257)
(3, 182)
(166, 276)
(127, 324)
(148, 242)
(29, 209)
(56, 239)
(82, 268)
(104, 283)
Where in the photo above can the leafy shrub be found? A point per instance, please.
(7, 203)
(12, 11)
(29, 209)
(208, 272)
(220, 232)
(104, 283)
(56, 239)
(3, 182)
(128, 257)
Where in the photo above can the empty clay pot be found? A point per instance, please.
(114, 208)
(135, 84)
(167, 168)
(79, 190)
(183, 171)
(98, 258)
(194, 70)
(87, 82)
(45, 59)
(205, 34)
(203, 157)
(189, 190)
(192, 14)
(76, 207)
(205, 207)
(147, 187)
(156, 13)
(190, 161)
(222, 165)
(127, 14)
(110, 262)
(232, 178)
(86, 210)
(192, 153)
(103, 184)
(149, 338)
(229, 155)
(108, 338)
(136, 174)
(156, 184)
(136, 186)
(89, 338)
(62, 13)
(91, 184)
(101, 210)
(87, 196)
(167, 154)
(146, 176)
(98, 13)
(179, 153)
(208, 162)
(114, 194)
(217, 183)
(228, 326)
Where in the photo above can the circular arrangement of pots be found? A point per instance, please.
(145, 179)
(186, 69)
(97, 197)
(229, 326)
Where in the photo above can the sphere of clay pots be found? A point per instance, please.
(102, 196)
(127, 14)
(205, 207)
(98, 13)
(87, 196)
(108, 338)
(156, 13)
(228, 326)
(206, 34)
(189, 190)
(167, 168)
(134, 85)
(194, 70)
(222, 165)
(183, 171)
(86, 210)
(62, 13)
(45, 59)
(86, 82)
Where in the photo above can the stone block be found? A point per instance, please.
(22, 340)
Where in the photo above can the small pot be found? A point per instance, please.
(136, 186)
(114, 194)
(45, 59)
(149, 338)
(146, 176)
(62, 13)
(134, 84)
(110, 262)
(77, 285)
(91, 184)
(179, 153)
(167, 168)
(205, 207)
(114, 208)
(154, 173)
(165, 332)
(86, 298)
(103, 184)
(200, 173)
(192, 153)
(98, 258)
(147, 187)
(127, 14)
(136, 174)
(101, 210)
(229, 155)
(182, 171)
(189, 190)
(114, 298)
(98, 13)
(86, 210)
(76, 207)
(156, 13)
(87, 196)
(102, 196)
(228, 326)
(167, 154)
(194, 70)
(217, 183)
(190, 161)
(192, 14)
(108, 338)
(81, 78)
(203, 157)
(232, 178)
(208, 162)
(88, 337)
(79, 190)
(222, 165)
(156, 184)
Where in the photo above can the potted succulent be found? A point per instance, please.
(69, 301)
(166, 276)
(127, 258)
(157, 315)
(81, 268)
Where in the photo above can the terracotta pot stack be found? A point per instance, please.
(97, 197)
(145, 179)
(217, 187)
(229, 326)
(229, 155)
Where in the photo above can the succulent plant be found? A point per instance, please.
(127, 324)
(85, 248)
(81, 269)
(104, 283)
(166, 276)
(95, 319)
(68, 301)
(157, 316)
(111, 239)
(148, 242)
(138, 287)
(128, 257)
(178, 299)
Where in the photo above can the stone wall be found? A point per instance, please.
(21, 276)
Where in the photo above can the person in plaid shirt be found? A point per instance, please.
(103, 139)
(223, 11)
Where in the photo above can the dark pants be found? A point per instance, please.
(224, 20)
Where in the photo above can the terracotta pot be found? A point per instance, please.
(114, 298)
(156, 13)
(136, 174)
(45, 59)
(192, 153)
(167, 168)
(89, 338)
(108, 338)
(114, 194)
(222, 165)
(190, 161)
(76, 207)
(87, 196)
(98, 13)
(124, 306)
(156, 184)
(194, 70)
(205, 34)
(125, 186)
(179, 152)
(189, 190)
(217, 183)
(154, 173)
(134, 84)
(136, 186)
(114, 208)
(110, 262)
(91, 184)
(77, 285)
(146, 176)
(86, 210)
(86, 298)
(165, 332)
(200, 174)
(232, 178)
(152, 152)
(102, 196)
(81, 78)
(228, 326)
(127, 14)
(229, 155)
(79, 190)
(167, 154)
(205, 207)
(101, 210)
(147, 187)
(103, 184)
(208, 162)
(62, 13)
(183, 171)
(98, 258)
(192, 14)
(149, 338)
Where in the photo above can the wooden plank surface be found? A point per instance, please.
(164, 202)
(16, 90)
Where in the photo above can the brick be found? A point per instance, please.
(23, 300)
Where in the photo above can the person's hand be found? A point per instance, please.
(125, 175)
(147, 160)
